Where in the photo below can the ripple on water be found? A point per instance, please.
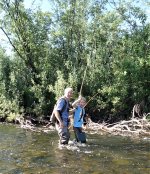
(25, 152)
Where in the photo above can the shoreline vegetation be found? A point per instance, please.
(135, 127)
(99, 48)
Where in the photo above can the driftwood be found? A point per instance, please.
(27, 124)
(133, 127)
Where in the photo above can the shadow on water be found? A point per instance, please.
(26, 152)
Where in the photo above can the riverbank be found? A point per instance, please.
(135, 127)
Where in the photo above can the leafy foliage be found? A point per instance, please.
(105, 41)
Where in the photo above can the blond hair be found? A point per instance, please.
(83, 98)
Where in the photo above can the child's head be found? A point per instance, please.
(82, 102)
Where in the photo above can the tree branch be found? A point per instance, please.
(11, 42)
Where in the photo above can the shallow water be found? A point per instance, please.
(26, 152)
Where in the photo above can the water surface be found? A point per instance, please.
(26, 152)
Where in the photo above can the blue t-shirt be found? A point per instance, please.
(65, 114)
(78, 116)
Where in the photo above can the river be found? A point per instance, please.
(26, 152)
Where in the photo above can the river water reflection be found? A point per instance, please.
(26, 152)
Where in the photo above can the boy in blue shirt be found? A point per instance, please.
(79, 119)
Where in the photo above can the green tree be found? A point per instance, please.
(101, 47)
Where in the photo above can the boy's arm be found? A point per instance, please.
(74, 106)
(84, 125)
(71, 111)
(75, 103)
(85, 119)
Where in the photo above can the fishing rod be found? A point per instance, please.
(91, 99)
(80, 94)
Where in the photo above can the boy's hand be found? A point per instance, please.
(79, 98)
(83, 127)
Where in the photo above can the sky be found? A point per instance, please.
(44, 4)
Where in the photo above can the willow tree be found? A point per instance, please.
(129, 48)
(70, 39)
(105, 41)
(27, 32)
(115, 39)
